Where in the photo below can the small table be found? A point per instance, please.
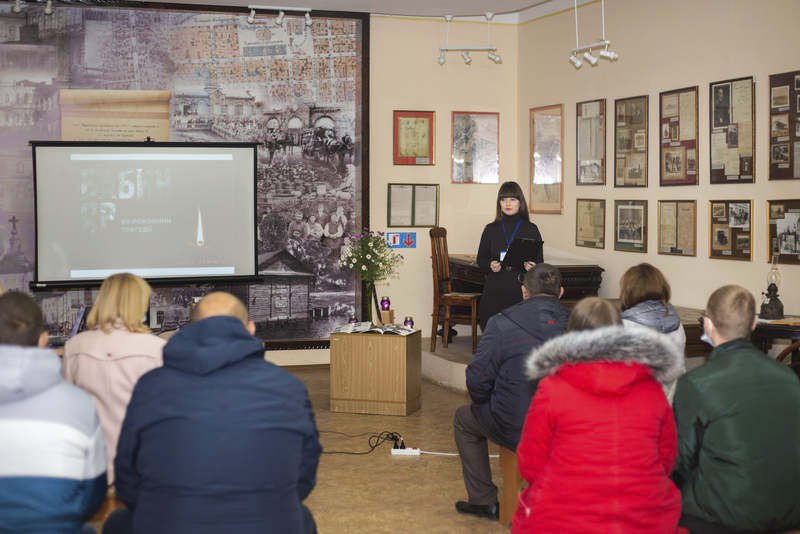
(376, 373)
(786, 328)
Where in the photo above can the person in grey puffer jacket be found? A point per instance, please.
(644, 300)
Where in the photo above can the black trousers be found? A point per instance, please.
(699, 526)
(473, 446)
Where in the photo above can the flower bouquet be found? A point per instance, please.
(369, 257)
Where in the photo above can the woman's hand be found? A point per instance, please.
(495, 266)
(529, 265)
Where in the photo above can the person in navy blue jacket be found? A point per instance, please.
(497, 384)
(216, 440)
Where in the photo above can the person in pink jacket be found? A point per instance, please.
(108, 359)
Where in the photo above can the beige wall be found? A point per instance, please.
(663, 46)
(404, 75)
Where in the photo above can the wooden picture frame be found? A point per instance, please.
(475, 147)
(590, 222)
(630, 225)
(590, 142)
(547, 159)
(412, 205)
(783, 218)
(631, 123)
(732, 126)
(678, 111)
(730, 229)
(414, 140)
(677, 227)
(784, 126)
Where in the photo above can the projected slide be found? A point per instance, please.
(153, 210)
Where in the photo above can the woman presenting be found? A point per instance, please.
(502, 287)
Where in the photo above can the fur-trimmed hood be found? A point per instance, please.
(610, 343)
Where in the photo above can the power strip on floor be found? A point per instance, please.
(408, 451)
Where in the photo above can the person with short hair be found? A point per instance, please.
(599, 441)
(52, 454)
(738, 421)
(497, 384)
(107, 359)
(218, 439)
(644, 299)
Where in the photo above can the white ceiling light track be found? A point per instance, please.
(465, 50)
(281, 15)
(587, 49)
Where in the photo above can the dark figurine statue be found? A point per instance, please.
(772, 307)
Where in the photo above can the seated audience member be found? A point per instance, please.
(216, 440)
(108, 359)
(52, 456)
(497, 384)
(644, 299)
(599, 440)
(738, 420)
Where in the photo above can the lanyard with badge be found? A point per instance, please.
(508, 240)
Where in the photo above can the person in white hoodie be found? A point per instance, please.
(644, 301)
(52, 453)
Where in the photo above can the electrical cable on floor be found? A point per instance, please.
(374, 441)
(452, 454)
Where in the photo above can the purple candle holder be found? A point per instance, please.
(409, 322)
(386, 304)
(352, 319)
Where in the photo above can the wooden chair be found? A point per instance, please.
(109, 505)
(786, 352)
(443, 295)
(512, 485)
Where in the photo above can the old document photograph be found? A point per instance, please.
(476, 153)
(779, 97)
(667, 226)
(687, 227)
(673, 164)
(590, 223)
(414, 138)
(721, 237)
(787, 233)
(721, 104)
(546, 158)
(779, 125)
(739, 215)
(630, 142)
(719, 210)
(591, 147)
(630, 225)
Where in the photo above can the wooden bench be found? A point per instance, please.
(512, 485)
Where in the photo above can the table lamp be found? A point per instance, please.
(772, 307)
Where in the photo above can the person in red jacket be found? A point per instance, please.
(599, 442)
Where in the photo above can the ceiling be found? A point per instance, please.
(419, 8)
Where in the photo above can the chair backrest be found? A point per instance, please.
(439, 258)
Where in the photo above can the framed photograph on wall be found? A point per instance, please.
(784, 126)
(414, 138)
(730, 229)
(677, 227)
(547, 158)
(590, 145)
(590, 222)
(783, 223)
(678, 115)
(732, 136)
(412, 205)
(630, 141)
(630, 225)
(476, 147)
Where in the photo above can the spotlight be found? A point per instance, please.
(48, 8)
(575, 61)
(466, 57)
(252, 18)
(441, 58)
(609, 55)
(279, 20)
(590, 58)
(494, 57)
(17, 6)
(308, 18)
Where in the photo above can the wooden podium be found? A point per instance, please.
(376, 373)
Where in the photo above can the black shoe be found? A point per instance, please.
(453, 333)
(489, 511)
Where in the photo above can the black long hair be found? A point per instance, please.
(512, 189)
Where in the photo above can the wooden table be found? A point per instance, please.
(578, 278)
(376, 373)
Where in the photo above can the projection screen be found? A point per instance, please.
(164, 211)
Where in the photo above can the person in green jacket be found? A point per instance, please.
(738, 423)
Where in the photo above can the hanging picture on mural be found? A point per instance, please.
(547, 158)
(297, 91)
(476, 147)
